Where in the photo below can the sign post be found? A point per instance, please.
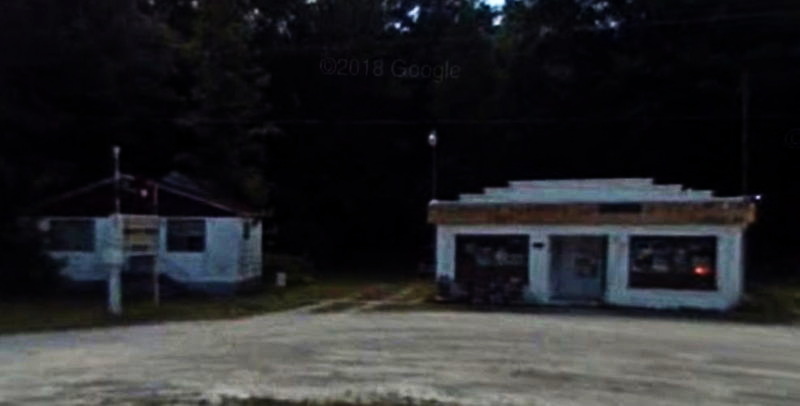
(114, 260)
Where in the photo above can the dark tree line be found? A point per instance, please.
(232, 91)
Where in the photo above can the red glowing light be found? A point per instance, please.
(701, 270)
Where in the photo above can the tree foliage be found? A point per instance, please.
(232, 91)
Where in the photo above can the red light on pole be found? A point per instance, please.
(701, 270)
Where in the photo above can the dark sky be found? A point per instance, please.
(545, 95)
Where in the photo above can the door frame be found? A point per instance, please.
(553, 294)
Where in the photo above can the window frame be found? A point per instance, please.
(185, 248)
(672, 279)
(462, 275)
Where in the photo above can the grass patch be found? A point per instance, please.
(771, 304)
(432, 306)
(400, 307)
(381, 291)
(336, 306)
(69, 312)
(421, 291)
(375, 292)
(74, 312)
(298, 270)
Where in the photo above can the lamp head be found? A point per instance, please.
(432, 139)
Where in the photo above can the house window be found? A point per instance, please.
(186, 235)
(683, 263)
(247, 229)
(71, 235)
(488, 259)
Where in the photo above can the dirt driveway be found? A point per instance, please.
(459, 357)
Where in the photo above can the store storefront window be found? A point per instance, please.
(673, 262)
(489, 257)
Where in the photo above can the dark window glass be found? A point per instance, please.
(491, 258)
(687, 263)
(186, 235)
(71, 235)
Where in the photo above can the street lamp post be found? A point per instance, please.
(432, 140)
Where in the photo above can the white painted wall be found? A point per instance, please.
(729, 262)
(220, 262)
(729, 274)
(250, 258)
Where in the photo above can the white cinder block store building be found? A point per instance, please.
(626, 242)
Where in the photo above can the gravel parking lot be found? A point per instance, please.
(459, 357)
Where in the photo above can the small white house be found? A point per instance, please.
(626, 242)
(172, 227)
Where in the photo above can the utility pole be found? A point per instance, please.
(745, 85)
(114, 252)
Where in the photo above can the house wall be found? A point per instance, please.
(86, 266)
(729, 262)
(217, 264)
(227, 260)
(250, 259)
